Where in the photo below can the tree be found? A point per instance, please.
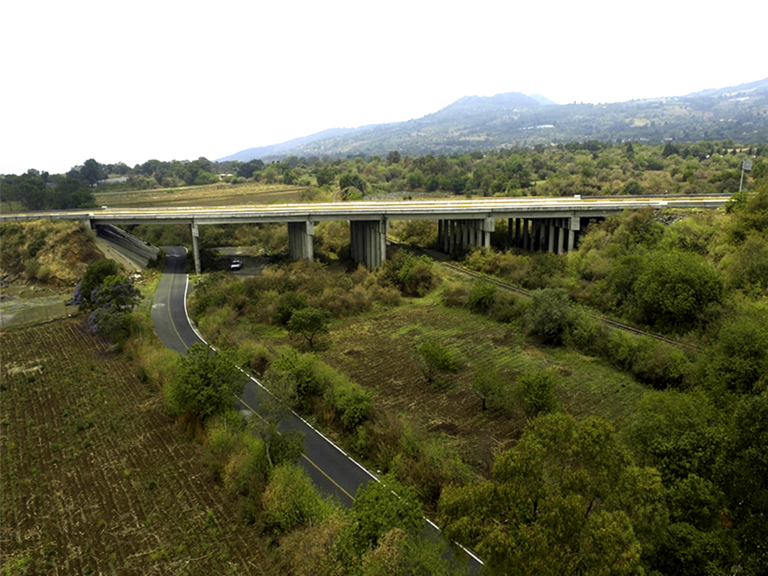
(436, 359)
(310, 323)
(487, 383)
(206, 383)
(393, 157)
(291, 500)
(274, 406)
(325, 176)
(534, 392)
(743, 473)
(674, 288)
(565, 500)
(381, 506)
(91, 172)
(113, 300)
(548, 314)
(94, 275)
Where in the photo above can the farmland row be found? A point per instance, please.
(94, 476)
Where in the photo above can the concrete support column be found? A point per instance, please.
(551, 235)
(563, 240)
(368, 242)
(510, 235)
(440, 234)
(526, 245)
(518, 233)
(300, 240)
(196, 246)
(487, 226)
(575, 228)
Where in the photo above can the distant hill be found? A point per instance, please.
(505, 120)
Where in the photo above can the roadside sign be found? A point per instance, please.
(747, 165)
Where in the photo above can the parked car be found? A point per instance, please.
(236, 265)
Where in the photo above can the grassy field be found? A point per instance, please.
(221, 194)
(94, 477)
(378, 351)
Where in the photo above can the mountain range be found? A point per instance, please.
(739, 113)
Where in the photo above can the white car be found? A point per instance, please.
(236, 265)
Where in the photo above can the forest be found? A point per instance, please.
(587, 168)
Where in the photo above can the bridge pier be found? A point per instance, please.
(368, 242)
(300, 240)
(456, 236)
(544, 234)
(196, 246)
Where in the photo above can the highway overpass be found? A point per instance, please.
(535, 223)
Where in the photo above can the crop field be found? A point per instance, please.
(212, 195)
(95, 479)
(378, 351)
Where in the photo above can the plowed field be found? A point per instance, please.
(95, 480)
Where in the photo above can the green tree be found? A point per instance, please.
(535, 393)
(310, 323)
(206, 383)
(436, 359)
(94, 275)
(274, 406)
(743, 473)
(291, 500)
(548, 314)
(673, 289)
(487, 384)
(565, 500)
(738, 361)
(381, 506)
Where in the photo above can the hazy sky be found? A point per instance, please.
(129, 81)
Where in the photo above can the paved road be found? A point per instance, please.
(333, 472)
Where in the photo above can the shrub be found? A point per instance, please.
(456, 295)
(673, 288)
(507, 307)
(436, 359)
(547, 315)
(291, 500)
(412, 276)
(352, 403)
(287, 305)
(738, 361)
(254, 355)
(246, 471)
(481, 296)
(535, 393)
(585, 332)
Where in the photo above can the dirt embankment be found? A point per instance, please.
(45, 252)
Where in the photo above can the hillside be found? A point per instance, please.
(471, 123)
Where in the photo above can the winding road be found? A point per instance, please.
(331, 469)
(333, 472)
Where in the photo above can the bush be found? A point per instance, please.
(672, 290)
(507, 307)
(456, 295)
(436, 359)
(352, 403)
(535, 393)
(481, 296)
(291, 500)
(247, 469)
(287, 305)
(412, 276)
(586, 333)
(738, 361)
(547, 316)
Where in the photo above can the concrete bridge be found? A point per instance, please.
(547, 224)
